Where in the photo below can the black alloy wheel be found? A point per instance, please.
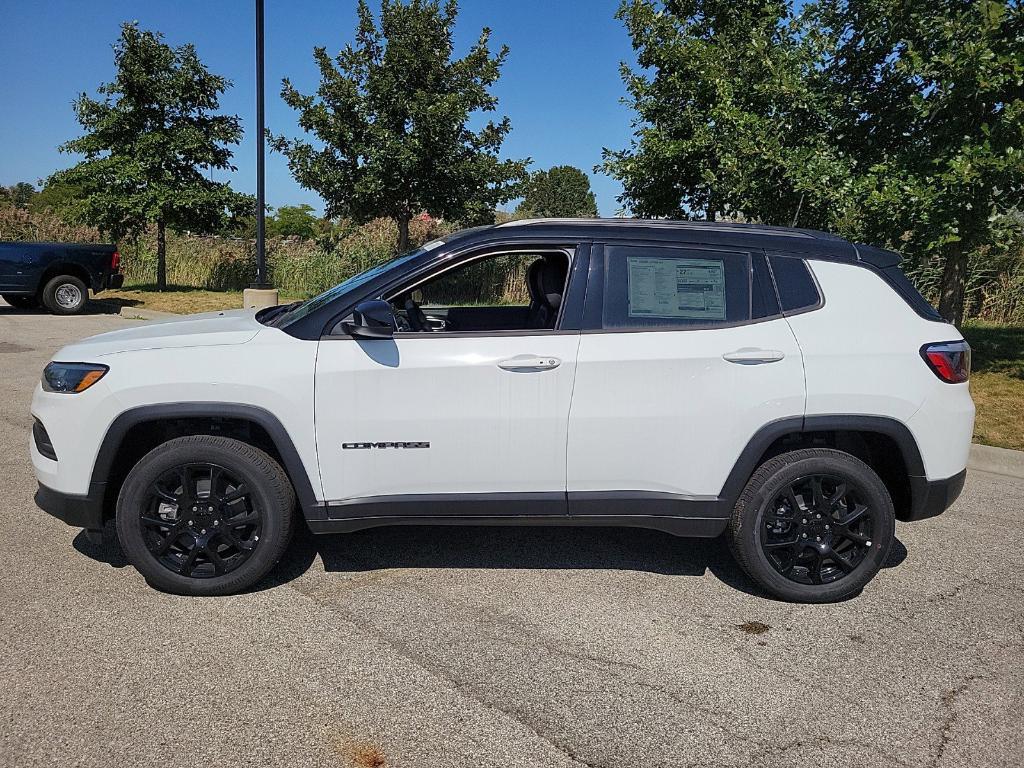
(200, 520)
(813, 525)
(817, 530)
(205, 515)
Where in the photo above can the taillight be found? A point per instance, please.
(949, 360)
(115, 261)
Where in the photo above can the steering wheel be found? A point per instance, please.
(417, 319)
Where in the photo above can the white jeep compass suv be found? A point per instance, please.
(784, 387)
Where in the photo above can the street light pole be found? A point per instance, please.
(260, 294)
(261, 224)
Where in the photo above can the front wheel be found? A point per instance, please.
(813, 526)
(205, 515)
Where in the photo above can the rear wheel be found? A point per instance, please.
(21, 301)
(65, 295)
(205, 515)
(813, 526)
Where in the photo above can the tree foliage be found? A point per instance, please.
(18, 195)
(897, 122)
(561, 191)
(727, 117)
(150, 139)
(294, 221)
(929, 96)
(390, 119)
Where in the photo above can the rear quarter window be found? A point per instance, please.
(794, 283)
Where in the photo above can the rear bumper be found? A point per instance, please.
(933, 497)
(78, 511)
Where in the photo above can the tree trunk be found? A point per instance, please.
(711, 210)
(403, 233)
(954, 279)
(161, 256)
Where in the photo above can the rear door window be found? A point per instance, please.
(666, 287)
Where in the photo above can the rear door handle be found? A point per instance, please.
(752, 356)
(529, 363)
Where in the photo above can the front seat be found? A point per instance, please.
(545, 280)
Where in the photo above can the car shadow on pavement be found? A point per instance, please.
(91, 308)
(492, 547)
(541, 547)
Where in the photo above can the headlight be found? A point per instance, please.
(72, 377)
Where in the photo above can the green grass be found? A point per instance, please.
(997, 383)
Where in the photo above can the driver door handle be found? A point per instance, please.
(752, 356)
(529, 363)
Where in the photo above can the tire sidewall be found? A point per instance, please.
(883, 535)
(275, 525)
(50, 295)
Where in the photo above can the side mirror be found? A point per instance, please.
(371, 320)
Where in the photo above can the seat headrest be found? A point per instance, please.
(546, 280)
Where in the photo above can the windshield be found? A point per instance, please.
(299, 311)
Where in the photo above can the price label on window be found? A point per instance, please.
(676, 288)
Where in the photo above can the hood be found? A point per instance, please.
(203, 330)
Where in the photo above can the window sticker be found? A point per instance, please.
(676, 288)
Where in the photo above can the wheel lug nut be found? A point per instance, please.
(867, 544)
(203, 531)
(190, 522)
(195, 509)
(817, 538)
(804, 521)
(217, 522)
(209, 509)
(818, 516)
(826, 527)
(803, 535)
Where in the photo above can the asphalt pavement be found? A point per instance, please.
(499, 647)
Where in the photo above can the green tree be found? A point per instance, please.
(561, 191)
(294, 221)
(727, 117)
(390, 118)
(61, 199)
(929, 96)
(150, 139)
(18, 195)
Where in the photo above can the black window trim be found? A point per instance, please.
(578, 253)
(593, 319)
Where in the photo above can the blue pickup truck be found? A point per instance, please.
(57, 276)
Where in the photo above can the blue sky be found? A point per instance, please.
(560, 85)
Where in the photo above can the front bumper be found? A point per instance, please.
(933, 497)
(78, 511)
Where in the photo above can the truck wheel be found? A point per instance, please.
(812, 526)
(21, 301)
(65, 295)
(205, 515)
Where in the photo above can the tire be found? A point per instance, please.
(783, 524)
(21, 301)
(65, 295)
(150, 513)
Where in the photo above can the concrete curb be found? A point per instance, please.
(133, 313)
(999, 461)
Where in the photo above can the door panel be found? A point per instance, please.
(490, 429)
(670, 411)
